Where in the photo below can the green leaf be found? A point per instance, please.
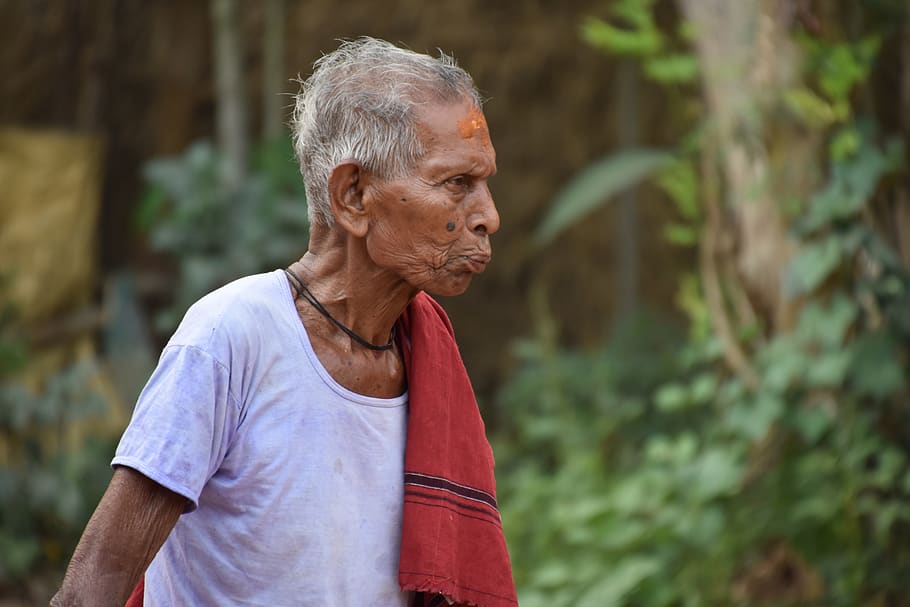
(813, 422)
(680, 183)
(827, 323)
(753, 419)
(846, 65)
(844, 144)
(638, 13)
(677, 68)
(812, 109)
(643, 40)
(718, 473)
(829, 370)
(554, 573)
(677, 450)
(596, 185)
(619, 581)
(702, 526)
(853, 180)
(875, 370)
(672, 397)
(813, 265)
(680, 234)
(704, 388)
(888, 467)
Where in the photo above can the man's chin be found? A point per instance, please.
(451, 289)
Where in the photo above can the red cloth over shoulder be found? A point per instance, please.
(452, 539)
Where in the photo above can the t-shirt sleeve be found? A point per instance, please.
(183, 422)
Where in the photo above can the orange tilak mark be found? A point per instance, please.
(472, 122)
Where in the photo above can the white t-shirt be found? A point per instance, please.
(295, 484)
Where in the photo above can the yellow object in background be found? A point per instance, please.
(49, 206)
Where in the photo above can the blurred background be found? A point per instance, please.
(691, 348)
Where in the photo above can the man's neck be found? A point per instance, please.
(341, 276)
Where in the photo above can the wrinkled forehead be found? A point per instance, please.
(460, 117)
(455, 135)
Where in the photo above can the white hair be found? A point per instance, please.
(359, 105)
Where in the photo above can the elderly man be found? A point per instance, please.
(309, 436)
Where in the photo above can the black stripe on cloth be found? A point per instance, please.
(482, 514)
(436, 482)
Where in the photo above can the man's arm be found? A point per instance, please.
(130, 524)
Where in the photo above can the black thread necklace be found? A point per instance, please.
(303, 292)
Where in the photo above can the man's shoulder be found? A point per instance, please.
(254, 291)
(233, 313)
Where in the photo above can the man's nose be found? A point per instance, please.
(484, 218)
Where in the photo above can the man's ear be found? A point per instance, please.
(346, 186)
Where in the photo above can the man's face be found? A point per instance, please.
(433, 226)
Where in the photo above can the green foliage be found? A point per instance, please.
(840, 66)
(853, 178)
(643, 39)
(829, 227)
(217, 235)
(597, 185)
(673, 67)
(813, 109)
(632, 31)
(835, 68)
(647, 474)
(47, 492)
(665, 59)
(643, 474)
(679, 182)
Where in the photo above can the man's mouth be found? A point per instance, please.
(478, 262)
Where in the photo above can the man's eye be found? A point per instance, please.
(459, 182)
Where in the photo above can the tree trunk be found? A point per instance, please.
(229, 91)
(273, 80)
(748, 60)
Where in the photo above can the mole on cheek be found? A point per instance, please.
(450, 226)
